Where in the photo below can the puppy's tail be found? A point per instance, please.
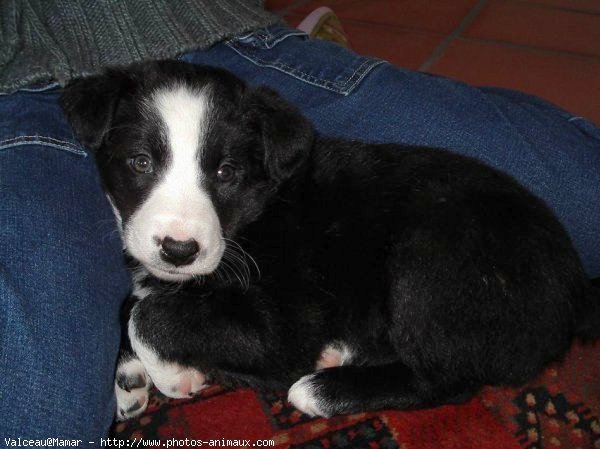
(588, 326)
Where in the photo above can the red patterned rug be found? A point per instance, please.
(559, 409)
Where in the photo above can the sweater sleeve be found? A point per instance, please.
(58, 40)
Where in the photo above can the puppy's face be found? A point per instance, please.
(188, 155)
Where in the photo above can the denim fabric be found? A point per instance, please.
(62, 278)
(61, 274)
(553, 153)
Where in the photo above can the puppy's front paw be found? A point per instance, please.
(304, 395)
(172, 379)
(176, 381)
(132, 386)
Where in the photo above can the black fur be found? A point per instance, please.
(440, 273)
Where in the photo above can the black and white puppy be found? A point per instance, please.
(363, 276)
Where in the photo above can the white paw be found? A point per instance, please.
(171, 379)
(176, 381)
(334, 354)
(329, 358)
(303, 396)
(132, 386)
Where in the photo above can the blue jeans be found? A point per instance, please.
(62, 278)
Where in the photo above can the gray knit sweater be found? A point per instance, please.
(57, 40)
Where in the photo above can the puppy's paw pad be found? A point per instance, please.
(329, 358)
(191, 382)
(132, 386)
(178, 382)
(304, 396)
(336, 353)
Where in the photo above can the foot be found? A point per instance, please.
(335, 391)
(176, 381)
(329, 358)
(304, 396)
(334, 354)
(172, 379)
(323, 24)
(132, 386)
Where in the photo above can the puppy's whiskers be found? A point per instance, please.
(240, 276)
(233, 248)
(234, 266)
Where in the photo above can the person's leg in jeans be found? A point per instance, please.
(62, 279)
(554, 154)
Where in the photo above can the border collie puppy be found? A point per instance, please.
(363, 276)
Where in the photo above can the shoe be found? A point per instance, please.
(323, 24)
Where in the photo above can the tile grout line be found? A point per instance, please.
(531, 48)
(537, 4)
(393, 28)
(441, 48)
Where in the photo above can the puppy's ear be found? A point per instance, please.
(90, 103)
(287, 136)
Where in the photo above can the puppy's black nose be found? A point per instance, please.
(177, 252)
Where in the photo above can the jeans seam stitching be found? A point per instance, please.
(331, 85)
(361, 71)
(289, 72)
(41, 140)
(289, 69)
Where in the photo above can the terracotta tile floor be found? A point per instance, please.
(549, 48)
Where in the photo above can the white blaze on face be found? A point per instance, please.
(177, 206)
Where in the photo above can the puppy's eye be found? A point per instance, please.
(225, 173)
(141, 163)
